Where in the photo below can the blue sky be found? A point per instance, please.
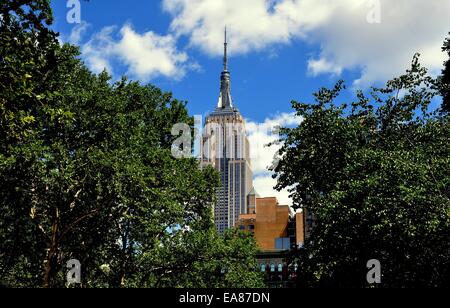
(263, 82)
(280, 50)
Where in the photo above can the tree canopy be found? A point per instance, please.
(375, 174)
(87, 173)
(446, 78)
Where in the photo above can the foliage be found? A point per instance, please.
(446, 78)
(86, 173)
(213, 261)
(376, 177)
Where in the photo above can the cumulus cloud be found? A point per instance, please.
(145, 55)
(261, 134)
(349, 32)
(322, 66)
(77, 33)
(264, 185)
(262, 156)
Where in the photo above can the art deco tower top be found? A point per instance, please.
(225, 101)
(226, 148)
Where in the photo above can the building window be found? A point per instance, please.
(272, 268)
(263, 267)
(282, 243)
(280, 267)
(251, 227)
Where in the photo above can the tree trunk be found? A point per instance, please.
(52, 256)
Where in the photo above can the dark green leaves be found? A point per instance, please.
(376, 177)
(86, 172)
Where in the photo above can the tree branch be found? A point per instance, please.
(77, 221)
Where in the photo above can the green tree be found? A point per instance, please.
(26, 57)
(376, 176)
(87, 173)
(201, 259)
(446, 78)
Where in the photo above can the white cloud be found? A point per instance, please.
(262, 157)
(261, 134)
(77, 33)
(251, 24)
(341, 28)
(264, 185)
(321, 66)
(145, 55)
(98, 51)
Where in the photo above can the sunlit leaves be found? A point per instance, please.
(376, 177)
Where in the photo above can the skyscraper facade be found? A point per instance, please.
(225, 146)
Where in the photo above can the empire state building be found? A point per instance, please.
(225, 146)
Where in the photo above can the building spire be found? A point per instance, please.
(225, 55)
(225, 100)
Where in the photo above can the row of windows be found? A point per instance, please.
(272, 267)
(276, 267)
(249, 227)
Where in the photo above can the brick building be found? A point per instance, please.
(277, 230)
